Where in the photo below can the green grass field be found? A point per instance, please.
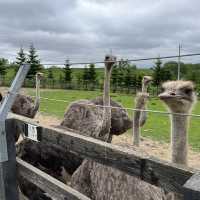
(157, 126)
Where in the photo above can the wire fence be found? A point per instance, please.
(118, 108)
(128, 60)
(32, 82)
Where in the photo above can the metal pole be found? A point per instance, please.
(4, 109)
(179, 61)
(2, 186)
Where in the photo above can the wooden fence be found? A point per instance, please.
(170, 177)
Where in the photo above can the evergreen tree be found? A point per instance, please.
(33, 61)
(3, 65)
(157, 73)
(92, 73)
(127, 78)
(139, 81)
(92, 76)
(21, 57)
(114, 78)
(166, 75)
(85, 76)
(61, 79)
(50, 73)
(67, 72)
(120, 78)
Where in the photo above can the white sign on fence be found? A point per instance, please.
(32, 132)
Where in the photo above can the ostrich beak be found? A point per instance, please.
(165, 96)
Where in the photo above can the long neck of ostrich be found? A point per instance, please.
(144, 86)
(37, 99)
(179, 139)
(37, 87)
(106, 100)
(106, 95)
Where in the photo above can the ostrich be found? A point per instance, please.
(140, 117)
(103, 182)
(25, 105)
(179, 96)
(85, 117)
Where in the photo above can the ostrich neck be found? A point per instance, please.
(37, 99)
(106, 95)
(179, 139)
(144, 87)
(106, 103)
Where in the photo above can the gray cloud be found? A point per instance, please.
(86, 30)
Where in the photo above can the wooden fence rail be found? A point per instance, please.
(170, 177)
(52, 186)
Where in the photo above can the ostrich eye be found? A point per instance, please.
(188, 91)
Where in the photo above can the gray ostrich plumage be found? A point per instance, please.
(80, 115)
(25, 105)
(140, 117)
(87, 118)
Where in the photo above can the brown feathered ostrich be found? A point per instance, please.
(84, 117)
(25, 105)
(140, 117)
(102, 182)
(179, 96)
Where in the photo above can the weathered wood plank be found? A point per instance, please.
(47, 183)
(192, 188)
(9, 167)
(160, 173)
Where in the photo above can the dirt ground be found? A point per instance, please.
(153, 148)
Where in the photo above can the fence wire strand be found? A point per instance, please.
(128, 60)
(119, 108)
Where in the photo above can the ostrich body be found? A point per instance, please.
(140, 117)
(103, 182)
(179, 97)
(25, 105)
(85, 117)
(80, 115)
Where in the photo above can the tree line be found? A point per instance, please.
(126, 77)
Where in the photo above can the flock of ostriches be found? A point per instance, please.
(97, 118)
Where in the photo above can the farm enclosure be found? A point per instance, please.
(169, 176)
(157, 131)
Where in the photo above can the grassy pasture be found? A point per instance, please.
(157, 126)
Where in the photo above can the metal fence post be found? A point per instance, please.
(4, 109)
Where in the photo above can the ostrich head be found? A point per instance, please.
(39, 75)
(109, 62)
(146, 80)
(179, 96)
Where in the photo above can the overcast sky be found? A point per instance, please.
(85, 30)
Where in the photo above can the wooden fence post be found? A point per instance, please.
(9, 167)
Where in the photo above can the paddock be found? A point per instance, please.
(65, 144)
